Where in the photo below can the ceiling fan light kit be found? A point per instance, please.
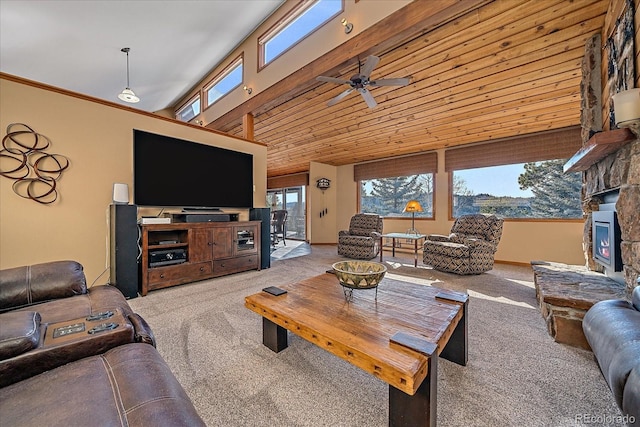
(127, 94)
(361, 80)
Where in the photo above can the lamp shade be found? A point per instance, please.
(626, 105)
(412, 206)
(127, 95)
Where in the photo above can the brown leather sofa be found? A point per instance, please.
(80, 355)
(612, 328)
(35, 299)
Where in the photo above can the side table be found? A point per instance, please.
(415, 237)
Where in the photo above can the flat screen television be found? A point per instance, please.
(171, 172)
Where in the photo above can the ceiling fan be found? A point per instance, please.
(361, 80)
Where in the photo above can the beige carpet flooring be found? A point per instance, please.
(516, 375)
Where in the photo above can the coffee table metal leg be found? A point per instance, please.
(419, 409)
(273, 336)
(457, 349)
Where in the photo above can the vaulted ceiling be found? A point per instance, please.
(75, 45)
(495, 70)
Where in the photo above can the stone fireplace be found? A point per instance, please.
(617, 172)
(610, 163)
(611, 190)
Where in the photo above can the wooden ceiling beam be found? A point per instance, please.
(416, 18)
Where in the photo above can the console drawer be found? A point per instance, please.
(233, 265)
(181, 273)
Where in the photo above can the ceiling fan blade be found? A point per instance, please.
(335, 100)
(369, 65)
(391, 82)
(368, 98)
(333, 80)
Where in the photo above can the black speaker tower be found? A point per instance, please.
(123, 248)
(264, 215)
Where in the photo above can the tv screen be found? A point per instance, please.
(177, 173)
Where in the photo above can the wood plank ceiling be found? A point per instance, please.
(511, 67)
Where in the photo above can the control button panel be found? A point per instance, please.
(68, 330)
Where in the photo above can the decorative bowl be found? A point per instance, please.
(359, 274)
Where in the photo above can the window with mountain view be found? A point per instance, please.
(527, 190)
(388, 196)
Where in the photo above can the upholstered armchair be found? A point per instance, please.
(362, 240)
(470, 247)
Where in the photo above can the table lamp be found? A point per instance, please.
(412, 206)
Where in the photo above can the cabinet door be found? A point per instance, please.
(222, 242)
(201, 245)
(245, 239)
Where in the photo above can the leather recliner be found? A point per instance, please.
(612, 328)
(114, 378)
(33, 297)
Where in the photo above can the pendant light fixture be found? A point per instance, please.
(127, 94)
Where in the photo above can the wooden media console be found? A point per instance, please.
(210, 249)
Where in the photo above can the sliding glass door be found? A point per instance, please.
(293, 199)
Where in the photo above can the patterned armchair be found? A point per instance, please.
(362, 240)
(470, 247)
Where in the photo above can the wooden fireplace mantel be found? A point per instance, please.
(598, 147)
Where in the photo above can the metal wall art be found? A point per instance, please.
(23, 159)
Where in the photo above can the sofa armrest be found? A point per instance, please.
(20, 333)
(438, 238)
(612, 328)
(479, 244)
(143, 332)
(343, 233)
(27, 285)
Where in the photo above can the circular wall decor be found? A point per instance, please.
(22, 159)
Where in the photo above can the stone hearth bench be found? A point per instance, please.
(565, 293)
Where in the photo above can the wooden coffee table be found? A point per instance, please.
(396, 338)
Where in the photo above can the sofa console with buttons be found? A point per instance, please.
(63, 345)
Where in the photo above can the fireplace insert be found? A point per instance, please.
(606, 239)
